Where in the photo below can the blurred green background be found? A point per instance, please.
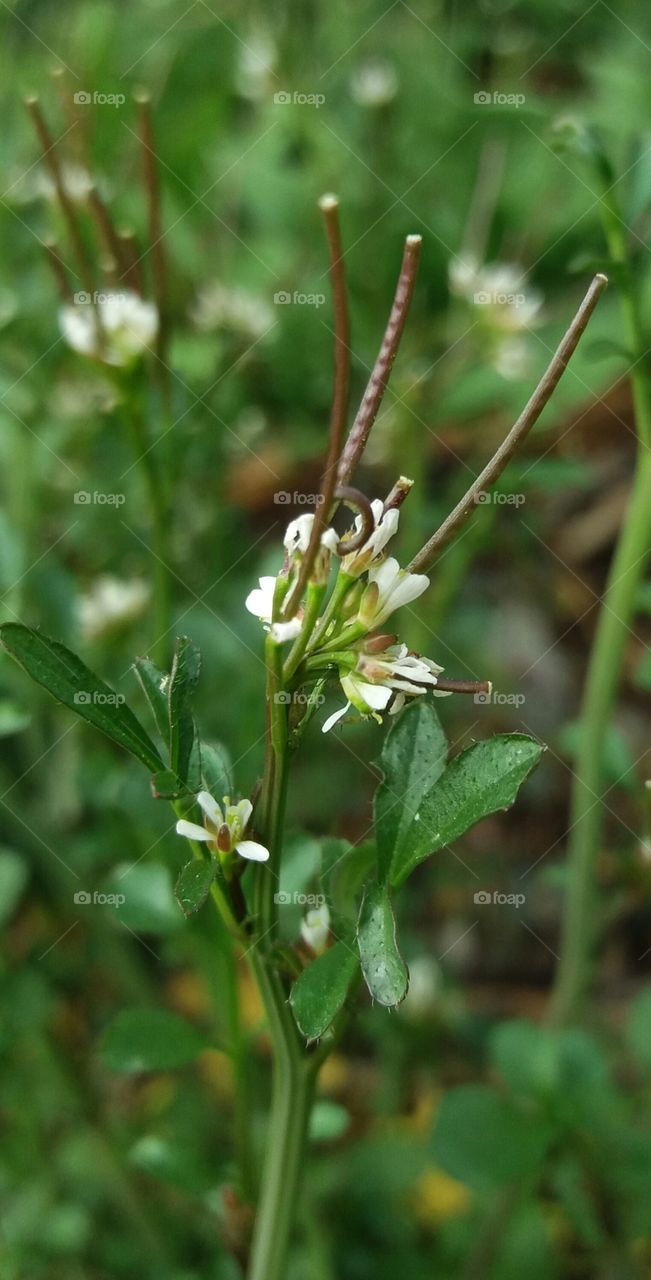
(257, 111)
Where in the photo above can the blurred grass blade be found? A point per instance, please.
(183, 681)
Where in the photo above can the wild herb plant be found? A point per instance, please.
(327, 619)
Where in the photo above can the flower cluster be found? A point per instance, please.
(341, 634)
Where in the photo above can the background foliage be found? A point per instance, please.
(458, 1136)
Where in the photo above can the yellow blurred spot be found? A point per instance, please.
(437, 1197)
(216, 1072)
(157, 1094)
(189, 995)
(336, 1074)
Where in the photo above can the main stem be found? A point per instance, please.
(293, 1079)
(605, 664)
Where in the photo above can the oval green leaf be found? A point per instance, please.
(385, 972)
(320, 991)
(193, 885)
(149, 1040)
(481, 780)
(413, 758)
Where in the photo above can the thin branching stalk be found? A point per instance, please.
(154, 222)
(329, 206)
(423, 560)
(381, 372)
(58, 270)
(50, 157)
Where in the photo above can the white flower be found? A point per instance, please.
(389, 588)
(367, 698)
(117, 329)
(223, 830)
(260, 603)
(299, 532)
(235, 310)
(372, 551)
(315, 928)
(378, 677)
(506, 302)
(374, 85)
(111, 602)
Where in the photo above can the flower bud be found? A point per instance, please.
(368, 604)
(224, 838)
(378, 643)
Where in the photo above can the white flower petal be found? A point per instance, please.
(259, 602)
(332, 720)
(210, 808)
(282, 631)
(375, 696)
(408, 588)
(192, 830)
(244, 809)
(252, 851)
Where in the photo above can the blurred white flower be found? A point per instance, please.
(298, 534)
(424, 988)
(315, 928)
(77, 183)
(374, 84)
(117, 329)
(218, 307)
(504, 299)
(254, 73)
(260, 601)
(223, 829)
(110, 603)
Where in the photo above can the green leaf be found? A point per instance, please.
(166, 786)
(413, 758)
(215, 770)
(638, 1031)
(154, 683)
(13, 719)
(149, 904)
(149, 1040)
(385, 972)
(320, 991)
(186, 667)
(482, 780)
(70, 681)
(193, 885)
(13, 878)
(344, 876)
(483, 1140)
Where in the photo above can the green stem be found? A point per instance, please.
(160, 647)
(606, 660)
(293, 1081)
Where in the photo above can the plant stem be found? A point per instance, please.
(605, 664)
(160, 647)
(293, 1081)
